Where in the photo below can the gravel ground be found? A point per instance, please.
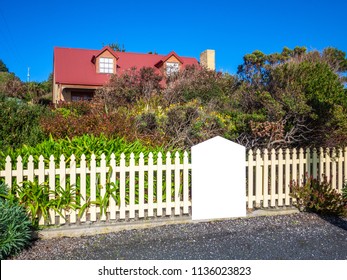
(296, 236)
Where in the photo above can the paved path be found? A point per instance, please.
(295, 236)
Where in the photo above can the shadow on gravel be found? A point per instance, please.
(336, 221)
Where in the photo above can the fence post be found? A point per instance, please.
(218, 179)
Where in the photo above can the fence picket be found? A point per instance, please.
(177, 197)
(273, 179)
(333, 169)
(159, 184)
(185, 183)
(314, 164)
(73, 186)
(41, 180)
(113, 184)
(280, 190)
(150, 185)
(308, 162)
(83, 185)
(321, 164)
(327, 164)
(41, 170)
(259, 195)
(31, 170)
(93, 188)
(19, 171)
(52, 174)
(301, 164)
(340, 171)
(250, 179)
(287, 178)
(103, 184)
(168, 184)
(266, 179)
(294, 176)
(122, 174)
(132, 186)
(8, 172)
(62, 182)
(141, 186)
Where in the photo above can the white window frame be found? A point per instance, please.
(106, 65)
(172, 68)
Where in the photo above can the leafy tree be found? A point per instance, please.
(292, 97)
(198, 83)
(11, 86)
(117, 47)
(3, 67)
(127, 88)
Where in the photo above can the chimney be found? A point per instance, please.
(207, 59)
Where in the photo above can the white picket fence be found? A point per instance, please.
(269, 174)
(144, 183)
(162, 186)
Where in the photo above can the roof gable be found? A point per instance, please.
(105, 49)
(167, 57)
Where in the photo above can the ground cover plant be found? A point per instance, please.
(15, 226)
(318, 196)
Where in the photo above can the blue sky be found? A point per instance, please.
(29, 30)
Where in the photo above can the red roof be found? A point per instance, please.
(75, 66)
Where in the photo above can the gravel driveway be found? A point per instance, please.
(296, 236)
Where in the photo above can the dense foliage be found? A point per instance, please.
(15, 226)
(86, 144)
(20, 123)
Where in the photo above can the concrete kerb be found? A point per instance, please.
(103, 228)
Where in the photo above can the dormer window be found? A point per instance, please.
(172, 68)
(106, 65)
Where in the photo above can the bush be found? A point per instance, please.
(79, 118)
(86, 144)
(15, 227)
(344, 191)
(19, 123)
(318, 197)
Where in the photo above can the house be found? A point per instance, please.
(77, 73)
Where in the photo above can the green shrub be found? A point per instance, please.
(38, 199)
(19, 123)
(318, 197)
(78, 118)
(15, 227)
(86, 144)
(344, 191)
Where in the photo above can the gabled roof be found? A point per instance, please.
(107, 48)
(165, 58)
(76, 66)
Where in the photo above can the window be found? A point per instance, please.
(106, 65)
(80, 96)
(171, 68)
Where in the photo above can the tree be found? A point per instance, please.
(3, 67)
(11, 86)
(117, 47)
(129, 87)
(198, 83)
(295, 98)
